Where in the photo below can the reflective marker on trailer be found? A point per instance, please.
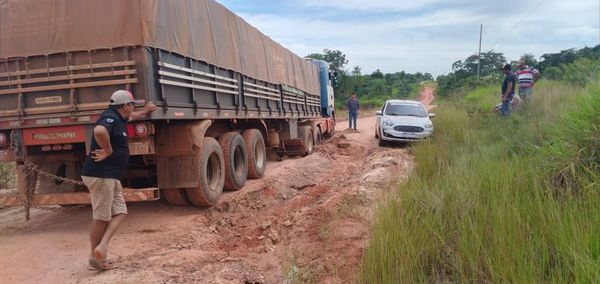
(141, 130)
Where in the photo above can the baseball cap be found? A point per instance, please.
(521, 62)
(122, 97)
(507, 67)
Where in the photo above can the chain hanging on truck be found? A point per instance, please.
(31, 172)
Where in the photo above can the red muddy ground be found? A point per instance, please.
(307, 220)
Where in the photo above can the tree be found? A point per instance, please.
(464, 73)
(377, 74)
(317, 56)
(336, 59)
(529, 59)
(356, 71)
(557, 59)
(457, 65)
(490, 62)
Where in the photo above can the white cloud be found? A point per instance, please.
(427, 35)
(367, 44)
(377, 6)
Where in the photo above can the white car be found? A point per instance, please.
(403, 121)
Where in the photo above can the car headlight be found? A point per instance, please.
(428, 126)
(387, 123)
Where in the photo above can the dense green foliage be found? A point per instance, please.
(580, 72)
(498, 200)
(557, 60)
(377, 87)
(372, 89)
(570, 65)
(464, 74)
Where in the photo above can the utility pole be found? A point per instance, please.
(479, 53)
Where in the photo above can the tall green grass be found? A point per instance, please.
(498, 200)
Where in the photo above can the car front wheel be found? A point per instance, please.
(381, 141)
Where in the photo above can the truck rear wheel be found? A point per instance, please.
(318, 137)
(175, 196)
(212, 177)
(236, 160)
(305, 133)
(257, 154)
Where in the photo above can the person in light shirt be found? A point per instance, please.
(527, 77)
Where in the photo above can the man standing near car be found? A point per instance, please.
(353, 106)
(103, 169)
(508, 89)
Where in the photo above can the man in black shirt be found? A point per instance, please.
(353, 106)
(103, 168)
(508, 89)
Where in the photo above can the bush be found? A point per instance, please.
(573, 159)
(7, 175)
(581, 72)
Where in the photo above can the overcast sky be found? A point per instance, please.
(422, 35)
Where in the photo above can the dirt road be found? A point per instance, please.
(426, 96)
(306, 220)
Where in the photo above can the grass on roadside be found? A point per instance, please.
(498, 200)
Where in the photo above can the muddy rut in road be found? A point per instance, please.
(306, 220)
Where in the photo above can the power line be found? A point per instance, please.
(517, 24)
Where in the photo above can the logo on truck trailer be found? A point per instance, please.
(54, 135)
(48, 100)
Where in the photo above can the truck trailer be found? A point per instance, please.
(229, 98)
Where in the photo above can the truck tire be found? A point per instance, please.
(257, 154)
(318, 137)
(236, 160)
(305, 133)
(212, 174)
(175, 196)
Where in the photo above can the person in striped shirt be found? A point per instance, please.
(527, 78)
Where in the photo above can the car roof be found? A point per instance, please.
(407, 102)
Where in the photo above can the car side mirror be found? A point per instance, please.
(378, 112)
(431, 115)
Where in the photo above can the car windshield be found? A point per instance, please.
(405, 110)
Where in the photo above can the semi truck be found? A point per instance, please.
(229, 98)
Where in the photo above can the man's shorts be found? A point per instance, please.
(526, 93)
(107, 197)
